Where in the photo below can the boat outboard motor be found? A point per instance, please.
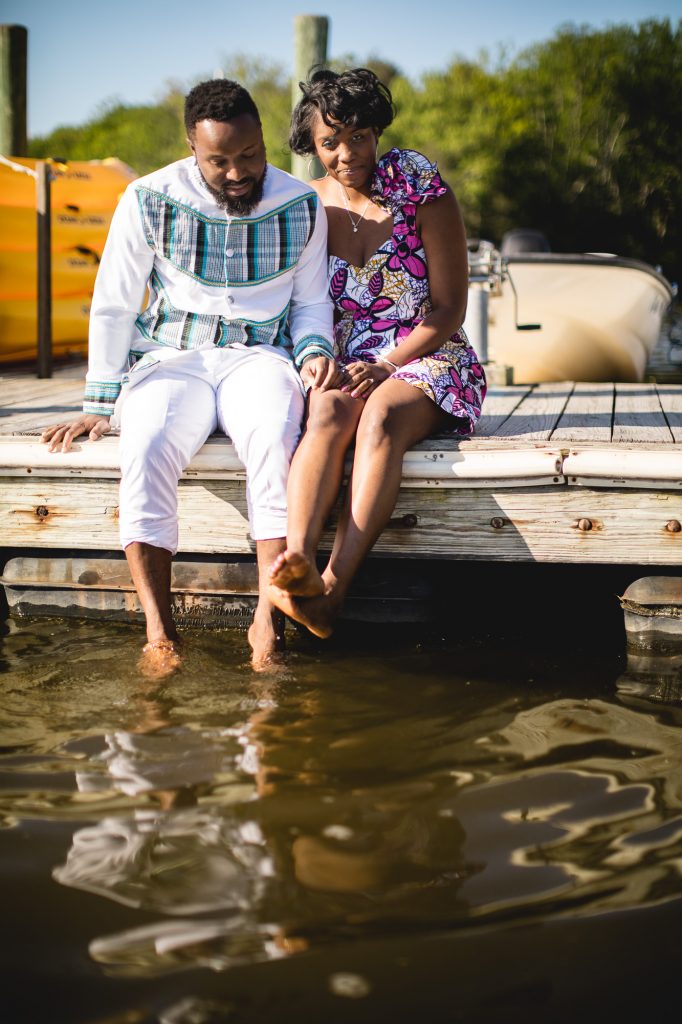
(520, 240)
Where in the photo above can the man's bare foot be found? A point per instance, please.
(266, 639)
(160, 658)
(297, 574)
(315, 613)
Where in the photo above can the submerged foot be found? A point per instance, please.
(160, 658)
(315, 613)
(296, 574)
(266, 639)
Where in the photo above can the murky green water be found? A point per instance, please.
(478, 820)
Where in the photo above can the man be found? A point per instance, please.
(233, 254)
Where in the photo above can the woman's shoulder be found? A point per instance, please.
(321, 186)
(406, 176)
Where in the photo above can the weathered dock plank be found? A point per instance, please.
(538, 413)
(526, 524)
(437, 462)
(555, 473)
(588, 414)
(499, 405)
(671, 403)
(38, 404)
(638, 416)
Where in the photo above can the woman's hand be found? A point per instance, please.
(64, 433)
(364, 378)
(321, 373)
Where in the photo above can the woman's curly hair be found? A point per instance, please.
(356, 99)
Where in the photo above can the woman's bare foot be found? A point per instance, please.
(317, 613)
(266, 639)
(296, 574)
(160, 658)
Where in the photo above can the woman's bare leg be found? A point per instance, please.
(314, 481)
(396, 416)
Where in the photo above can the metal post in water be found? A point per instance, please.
(486, 274)
(310, 50)
(476, 320)
(13, 55)
(44, 226)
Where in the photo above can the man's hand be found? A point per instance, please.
(64, 433)
(321, 373)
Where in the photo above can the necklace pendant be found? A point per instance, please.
(355, 224)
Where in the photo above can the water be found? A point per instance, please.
(475, 820)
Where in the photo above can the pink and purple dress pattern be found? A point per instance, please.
(379, 304)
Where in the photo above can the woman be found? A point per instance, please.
(398, 278)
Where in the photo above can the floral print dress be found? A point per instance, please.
(379, 304)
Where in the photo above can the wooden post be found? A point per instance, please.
(13, 50)
(310, 50)
(43, 190)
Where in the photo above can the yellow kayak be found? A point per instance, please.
(73, 273)
(84, 195)
(86, 184)
(69, 228)
(19, 327)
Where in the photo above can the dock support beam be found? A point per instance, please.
(310, 50)
(13, 59)
(44, 227)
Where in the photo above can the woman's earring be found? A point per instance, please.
(310, 167)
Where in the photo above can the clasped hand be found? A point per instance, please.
(361, 379)
(357, 379)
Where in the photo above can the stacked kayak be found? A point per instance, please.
(84, 196)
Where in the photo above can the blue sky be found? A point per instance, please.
(84, 53)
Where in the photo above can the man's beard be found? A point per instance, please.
(238, 206)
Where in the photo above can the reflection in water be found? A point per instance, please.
(652, 677)
(237, 820)
(175, 857)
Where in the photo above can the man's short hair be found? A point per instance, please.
(217, 100)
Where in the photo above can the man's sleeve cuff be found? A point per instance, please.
(100, 397)
(312, 345)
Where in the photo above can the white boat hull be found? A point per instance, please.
(600, 318)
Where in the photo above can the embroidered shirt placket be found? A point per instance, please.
(228, 252)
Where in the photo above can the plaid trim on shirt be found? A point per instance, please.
(163, 323)
(217, 252)
(100, 397)
(312, 345)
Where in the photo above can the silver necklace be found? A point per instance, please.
(346, 203)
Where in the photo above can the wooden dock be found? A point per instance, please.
(556, 473)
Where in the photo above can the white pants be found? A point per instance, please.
(254, 394)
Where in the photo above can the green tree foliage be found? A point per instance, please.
(147, 137)
(465, 119)
(143, 137)
(579, 136)
(600, 165)
(383, 69)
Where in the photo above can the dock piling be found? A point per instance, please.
(13, 62)
(310, 50)
(44, 228)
